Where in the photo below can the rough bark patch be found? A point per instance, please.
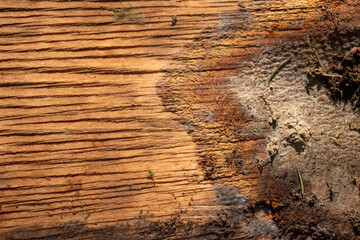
(310, 137)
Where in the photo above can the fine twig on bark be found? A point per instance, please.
(301, 182)
(318, 59)
(278, 68)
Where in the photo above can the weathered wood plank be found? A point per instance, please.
(82, 121)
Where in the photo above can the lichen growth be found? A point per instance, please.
(150, 175)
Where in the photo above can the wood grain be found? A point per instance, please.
(81, 120)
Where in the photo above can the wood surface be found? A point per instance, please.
(82, 117)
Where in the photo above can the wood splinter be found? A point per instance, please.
(318, 59)
(174, 20)
(278, 68)
(301, 182)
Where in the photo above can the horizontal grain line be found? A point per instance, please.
(85, 197)
(42, 106)
(59, 142)
(5, 133)
(49, 85)
(69, 95)
(69, 112)
(113, 56)
(57, 161)
(79, 70)
(87, 49)
(46, 192)
(92, 149)
(147, 30)
(88, 119)
(58, 41)
(104, 23)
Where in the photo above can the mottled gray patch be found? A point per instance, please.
(189, 127)
(230, 24)
(231, 197)
(206, 115)
(261, 225)
(324, 231)
(236, 207)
